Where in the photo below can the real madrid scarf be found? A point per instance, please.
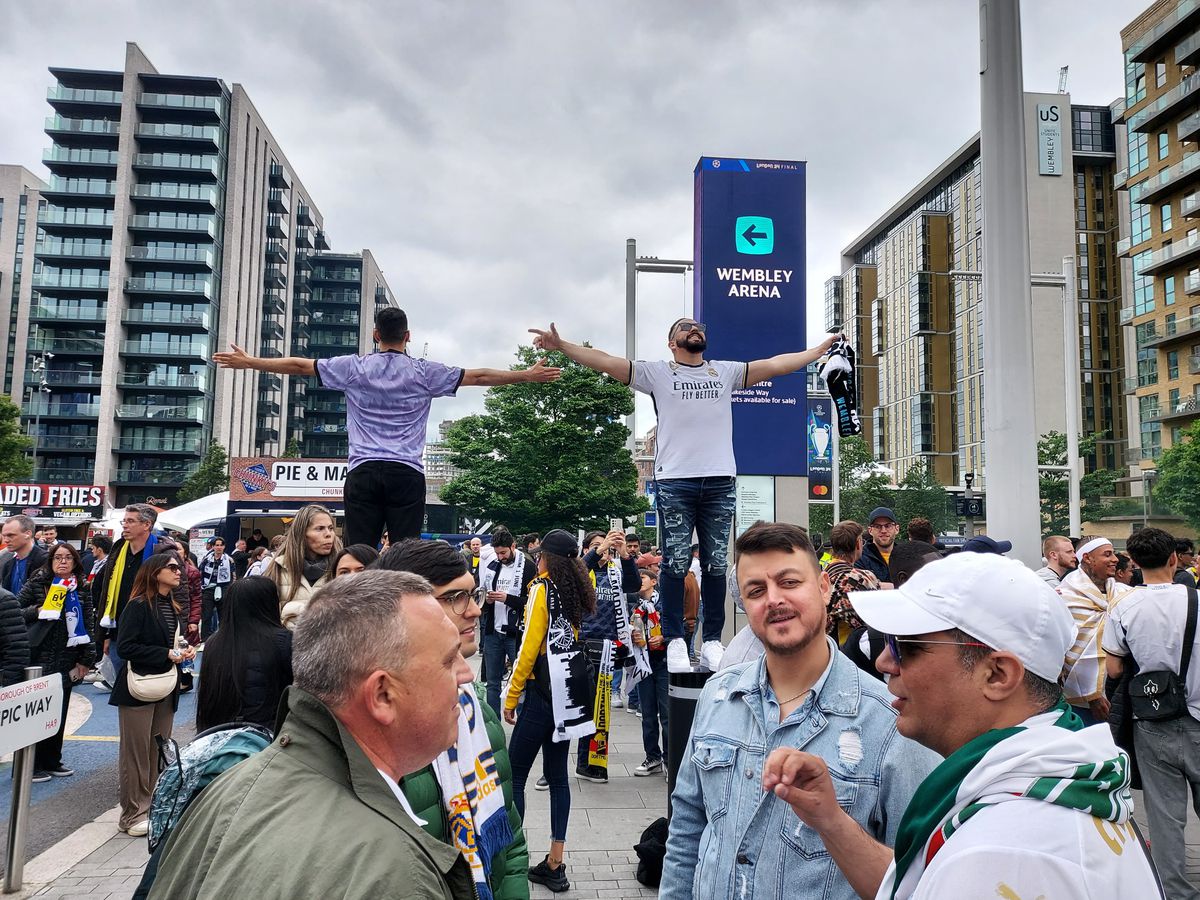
(109, 620)
(1050, 757)
(840, 379)
(477, 822)
(567, 668)
(507, 578)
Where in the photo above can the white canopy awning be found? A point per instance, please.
(189, 515)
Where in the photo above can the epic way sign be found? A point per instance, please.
(750, 255)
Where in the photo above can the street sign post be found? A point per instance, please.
(29, 712)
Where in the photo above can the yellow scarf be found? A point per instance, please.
(114, 587)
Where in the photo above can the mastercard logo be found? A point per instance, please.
(820, 490)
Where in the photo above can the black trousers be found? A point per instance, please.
(47, 754)
(378, 493)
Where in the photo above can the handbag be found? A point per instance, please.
(152, 688)
(1161, 695)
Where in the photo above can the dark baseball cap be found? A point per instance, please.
(881, 512)
(984, 544)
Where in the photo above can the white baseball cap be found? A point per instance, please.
(997, 601)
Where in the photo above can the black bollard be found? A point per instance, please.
(683, 690)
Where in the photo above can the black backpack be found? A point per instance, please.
(651, 851)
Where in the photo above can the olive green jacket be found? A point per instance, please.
(510, 867)
(309, 816)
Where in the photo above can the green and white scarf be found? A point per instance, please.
(1049, 757)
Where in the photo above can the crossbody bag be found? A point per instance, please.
(1161, 695)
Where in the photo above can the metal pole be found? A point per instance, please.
(969, 495)
(631, 326)
(18, 815)
(1073, 401)
(1009, 441)
(837, 477)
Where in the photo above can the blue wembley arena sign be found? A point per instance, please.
(749, 246)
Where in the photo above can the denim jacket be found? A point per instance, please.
(730, 839)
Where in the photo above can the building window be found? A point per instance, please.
(1169, 291)
(1164, 212)
(1172, 365)
(1163, 145)
(1160, 74)
(1143, 285)
(1139, 154)
(1135, 82)
(1139, 223)
(1147, 367)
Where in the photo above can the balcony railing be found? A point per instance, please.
(1174, 329)
(63, 476)
(137, 444)
(174, 130)
(60, 408)
(192, 380)
(1124, 245)
(82, 155)
(67, 345)
(1172, 254)
(86, 187)
(69, 312)
(89, 217)
(70, 280)
(82, 443)
(170, 286)
(1156, 185)
(161, 411)
(1191, 283)
(84, 249)
(214, 105)
(192, 162)
(83, 126)
(167, 222)
(1146, 43)
(162, 348)
(196, 318)
(173, 254)
(151, 476)
(279, 177)
(67, 377)
(202, 192)
(66, 94)
(1194, 365)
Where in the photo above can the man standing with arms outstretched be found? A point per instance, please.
(388, 395)
(694, 467)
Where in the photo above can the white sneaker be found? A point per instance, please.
(677, 657)
(618, 703)
(710, 655)
(139, 829)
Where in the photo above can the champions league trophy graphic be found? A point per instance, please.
(819, 437)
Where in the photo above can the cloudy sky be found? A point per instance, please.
(495, 156)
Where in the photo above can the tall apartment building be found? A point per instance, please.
(436, 460)
(172, 225)
(1159, 186)
(910, 298)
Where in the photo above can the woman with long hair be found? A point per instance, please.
(352, 559)
(146, 642)
(551, 670)
(248, 662)
(57, 605)
(302, 563)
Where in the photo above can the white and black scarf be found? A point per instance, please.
(507, 578)
(215, 572)
(567, 671)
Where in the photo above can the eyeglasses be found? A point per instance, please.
(688, 326)
(174, 567)
(893, 644)
(884, 526)
(458, 601)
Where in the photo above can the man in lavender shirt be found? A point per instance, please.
(388, 395)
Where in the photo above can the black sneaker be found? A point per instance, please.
(40, 777)
(60, 771)
(554, 879)
(541, 784)
(592, 773)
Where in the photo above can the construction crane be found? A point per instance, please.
(1062, 79)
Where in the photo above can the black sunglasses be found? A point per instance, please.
(688, 326)
(174, 567)
(893, 644)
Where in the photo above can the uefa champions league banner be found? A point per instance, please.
(820, 449)
(749, 284)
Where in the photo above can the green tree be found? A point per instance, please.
(292, 451)
(1178, 475)
(211, 477)
(864, 486)
(14, 444)
(547, 456)
(1054, 488)
(921, 495)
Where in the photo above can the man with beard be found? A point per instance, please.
(1060, 560)
(694, 466)
(1090, 592)
(802, 693)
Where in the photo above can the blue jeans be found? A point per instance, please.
(497, 650)
(534, 731)
(652, 692)
(706, 506)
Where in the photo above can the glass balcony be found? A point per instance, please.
(79, 443)
(317, 339)
(325, 427)
(277, 252)
(277, 201)
(168, 222)
(78, 346)
(139, 444)
(1124, 245)
(98, 218)
(273, 276)
(64, 94)
(67, 377)
(1169, 180)
(1186, 408)
(1175, 330)
(304, 238)
(202, 193)
(279, 177)
(1189, 206)
(172, 254)
(175, 131)
(68, 312)
(321, 240)
(277, 226)
(1146, 47)
(1189, 128)
(347, 319)
(1187, 51)
(60, 408)
(1194, 365)
(82, 156)
(151, 476)
(150, 285)
(157, 411)
(81, 187)
(76, 280)
(303, 263)
(1172, 255)
(63, 476)
(165, 349)
(327, 406)
(273, 303)
(209, 107)
(63, 124)
(1191, 283)
(304, 214)
(191, 162)
(268, 407)
(193, 317)
(196, 381)
(75, 249)
(266, 435)
(269, 381)
(1120, 178)
(272, 330)
(1166, 106)
(336, 298)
